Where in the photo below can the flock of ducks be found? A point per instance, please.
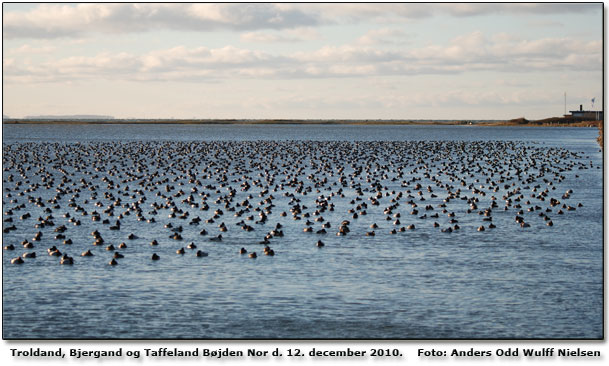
(220, 187)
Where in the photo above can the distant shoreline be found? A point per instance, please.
(519, 122)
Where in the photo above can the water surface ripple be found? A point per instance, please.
(510, 281)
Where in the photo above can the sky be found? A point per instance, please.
(302, 61)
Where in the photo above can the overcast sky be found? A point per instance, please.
(354, 61)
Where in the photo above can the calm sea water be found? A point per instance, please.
(538, 282)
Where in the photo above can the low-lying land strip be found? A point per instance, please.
(554, 121)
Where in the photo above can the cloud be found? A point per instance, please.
(289, 35)
(55, 20)
(27, 49)
(263, 37)
(467, 53)
(68, 20)
(475, 51)
(174, 64)
(381, 36)
(396, 12)
(347, 53)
